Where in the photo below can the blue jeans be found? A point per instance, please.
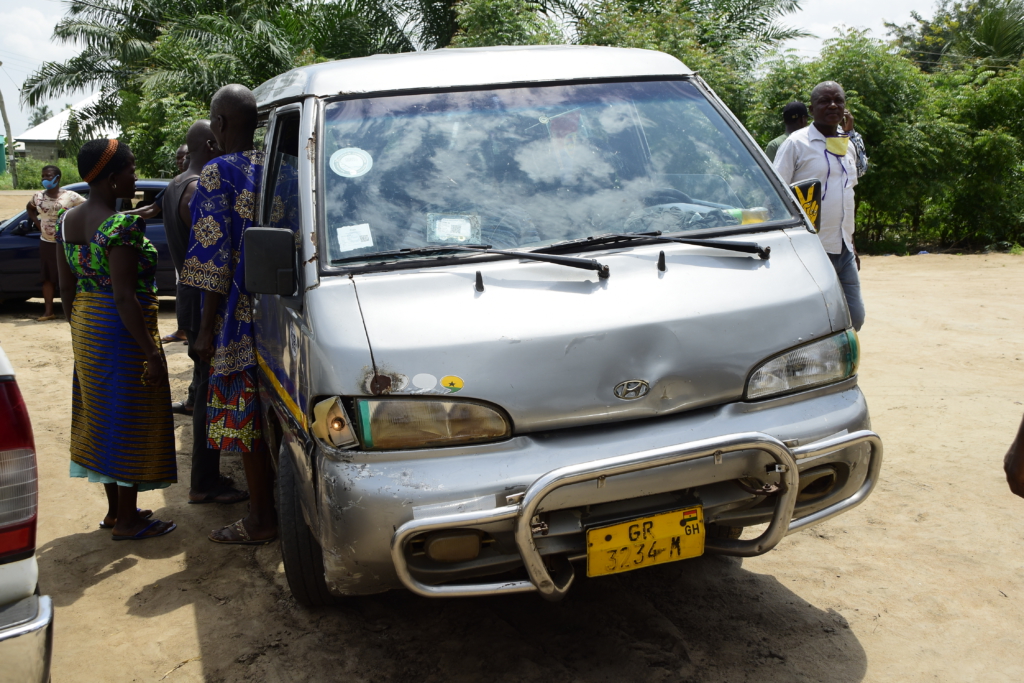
(849, 278)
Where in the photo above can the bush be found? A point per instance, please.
(30, 172)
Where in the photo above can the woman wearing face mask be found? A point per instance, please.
(122, 430)
(42, 211)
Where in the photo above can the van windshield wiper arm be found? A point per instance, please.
(743, 247)
(570, 261)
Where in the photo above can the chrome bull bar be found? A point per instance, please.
(523, 512)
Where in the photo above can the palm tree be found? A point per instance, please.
(997, 36)
(195, 46)
(39, 114)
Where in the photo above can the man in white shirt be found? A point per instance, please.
(819, 151)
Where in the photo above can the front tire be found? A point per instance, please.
(302, 554)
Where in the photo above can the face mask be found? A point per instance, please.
(837, 145)
(52, 184)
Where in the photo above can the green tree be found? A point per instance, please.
(909, 139)
(39, 115)
(722, 39)
(504, 22)
(142, 55)
(996, 36)
(981, 201)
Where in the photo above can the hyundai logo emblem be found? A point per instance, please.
(632, 389)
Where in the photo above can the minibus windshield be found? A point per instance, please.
(522, 168)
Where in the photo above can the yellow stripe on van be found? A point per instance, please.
(292, 407)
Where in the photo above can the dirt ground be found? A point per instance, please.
(923, 582)
(13, 201)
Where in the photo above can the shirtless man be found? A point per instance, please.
(207, 485)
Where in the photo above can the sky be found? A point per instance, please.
(28, 26)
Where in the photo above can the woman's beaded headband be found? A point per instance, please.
(105, 158)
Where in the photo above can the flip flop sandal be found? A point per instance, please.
(141, 535)
(44, 318)
(171, 338)
(149, 513)
(239, 497)
(242, 534)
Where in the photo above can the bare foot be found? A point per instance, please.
(110, 520)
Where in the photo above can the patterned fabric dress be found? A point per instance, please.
(223, 208)
(122, 430)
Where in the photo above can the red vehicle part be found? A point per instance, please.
(19, 494)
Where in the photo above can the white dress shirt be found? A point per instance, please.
(801, 157)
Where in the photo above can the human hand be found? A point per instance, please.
(204, 345)
(1013, 465)
(145, 212)
(856, 259)
(154, 370)
(847, 120)
(149, 211)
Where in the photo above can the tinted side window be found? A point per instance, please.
(281, 204)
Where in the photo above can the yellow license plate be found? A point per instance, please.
(645, 542)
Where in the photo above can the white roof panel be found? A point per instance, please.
(452, 68)
(54, 128)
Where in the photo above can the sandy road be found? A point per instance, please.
(921, 583)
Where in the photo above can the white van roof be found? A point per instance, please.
(453, 68)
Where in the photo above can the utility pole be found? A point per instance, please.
(10, 140)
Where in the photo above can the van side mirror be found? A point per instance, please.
(269, 260)
(808, 193)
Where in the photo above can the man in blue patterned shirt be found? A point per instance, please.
(223, 208)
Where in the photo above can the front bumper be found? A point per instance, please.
(366, 512)
(26, 640)
(522, 512)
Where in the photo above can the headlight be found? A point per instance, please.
(822, 362)
(332, 426)
(397, 423)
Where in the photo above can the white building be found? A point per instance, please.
(44, 141)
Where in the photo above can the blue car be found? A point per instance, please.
(20, 275)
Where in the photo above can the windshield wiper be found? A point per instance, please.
(743, 247)
(570, 261)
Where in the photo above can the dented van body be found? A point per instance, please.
(528, 313)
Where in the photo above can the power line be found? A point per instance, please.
(18, 59)
(9, 76)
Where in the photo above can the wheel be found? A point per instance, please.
(303, 557)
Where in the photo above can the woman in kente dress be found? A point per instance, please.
(122, 430)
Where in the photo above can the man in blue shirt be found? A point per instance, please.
(223, 208)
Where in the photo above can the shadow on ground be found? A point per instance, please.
(708, 619)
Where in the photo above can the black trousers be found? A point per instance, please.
(205, 460)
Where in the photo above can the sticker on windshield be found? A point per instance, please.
(354, 237)
(351, 162)
(453, 228)
(424, 382)
(452, 384)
